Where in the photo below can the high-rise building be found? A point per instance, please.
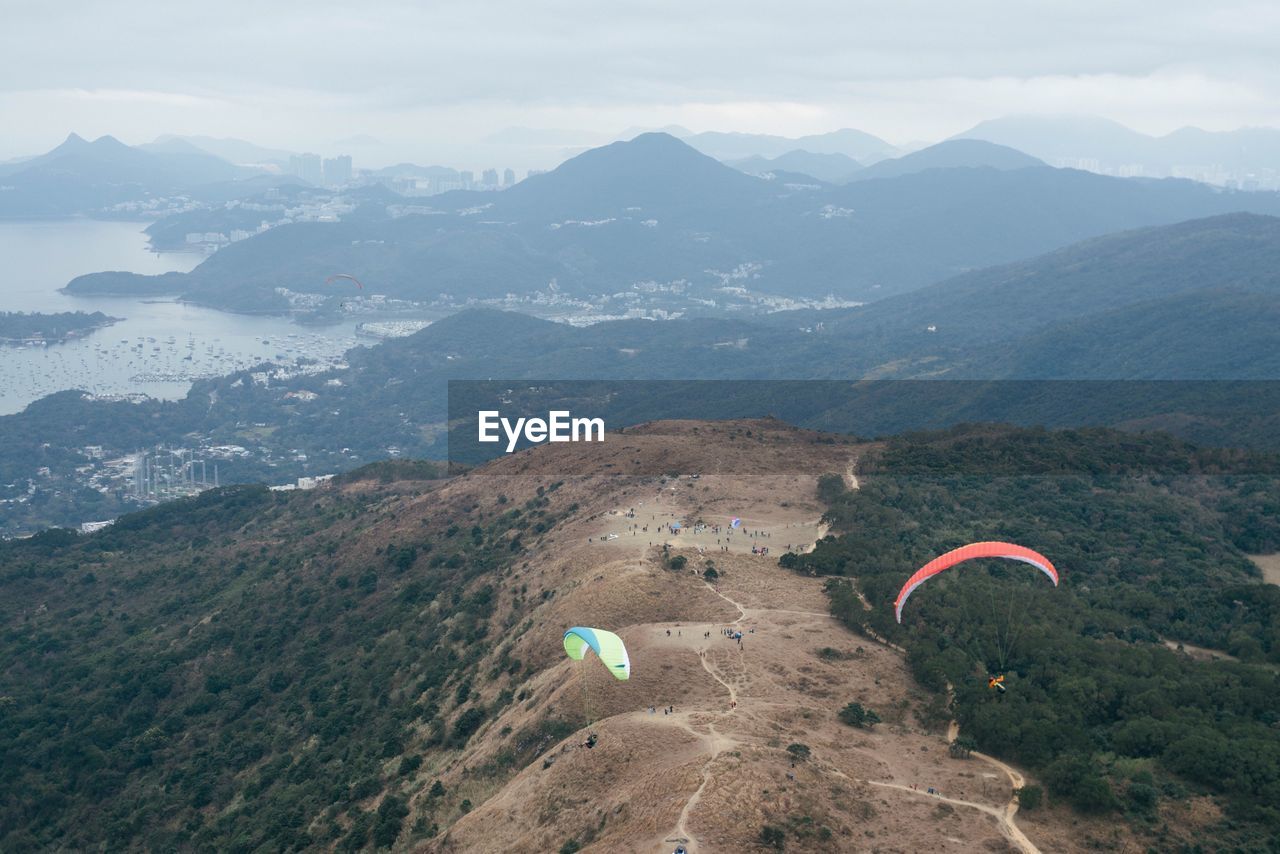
(468, 179)
(308, 167)
(508, 177)
(337, 170)
(489, 178)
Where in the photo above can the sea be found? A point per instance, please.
(159, 347)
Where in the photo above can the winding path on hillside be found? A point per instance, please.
(716, 743)
(1004, 817)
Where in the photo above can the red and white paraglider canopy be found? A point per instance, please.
(973, 551)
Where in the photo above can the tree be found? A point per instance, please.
(391, 815)
(856, 716)
(1093, 794)
(1029, 797)
(799, 751)
(962, 747)
(436, 791)
(1142, 797)
(466, 724)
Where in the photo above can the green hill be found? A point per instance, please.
(253, 670)
(246, 668)
(1111, 719)
(1193, 302)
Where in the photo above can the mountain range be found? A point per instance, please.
(655, 210)
(80, 176)
(1092, 142)
(232, 150)
(858, 145)
(1093, 333)
(829, 168)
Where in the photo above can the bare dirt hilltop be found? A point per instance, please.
(712, 742)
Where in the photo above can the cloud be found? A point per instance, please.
(285, 71)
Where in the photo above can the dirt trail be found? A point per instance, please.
(1003, 816)
(1007, 824)
(716, 743)
(850, 478)
(717, 767)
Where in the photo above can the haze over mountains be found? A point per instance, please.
(79, 176)
(1192, 301)
(1248, 157)
(98, 175)
(701, 234)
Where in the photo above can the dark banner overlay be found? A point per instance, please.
(492, 418)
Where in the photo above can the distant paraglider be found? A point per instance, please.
(336, 276)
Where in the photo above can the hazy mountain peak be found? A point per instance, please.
(651, 155)
(952, 154)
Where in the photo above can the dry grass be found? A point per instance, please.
(717, 770)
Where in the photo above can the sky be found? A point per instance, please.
(431, 80)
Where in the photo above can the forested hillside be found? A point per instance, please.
(1150, 538)
(252, 669)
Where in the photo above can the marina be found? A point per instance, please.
(159, 348)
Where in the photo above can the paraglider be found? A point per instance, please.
(991, 638)
(735, 522)
(607, 646)
(611, 652)
(1007, 551)
(336, 276)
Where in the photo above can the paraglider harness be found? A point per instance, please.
(996, 683)
(591, 741)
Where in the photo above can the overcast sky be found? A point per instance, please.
(428, 77)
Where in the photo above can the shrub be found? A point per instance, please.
(774, 837)
(799, 751)
(1142, 797)
(962, 747)
(1029, 797)
(855, 715)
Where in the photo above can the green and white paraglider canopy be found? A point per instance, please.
(607, 646)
